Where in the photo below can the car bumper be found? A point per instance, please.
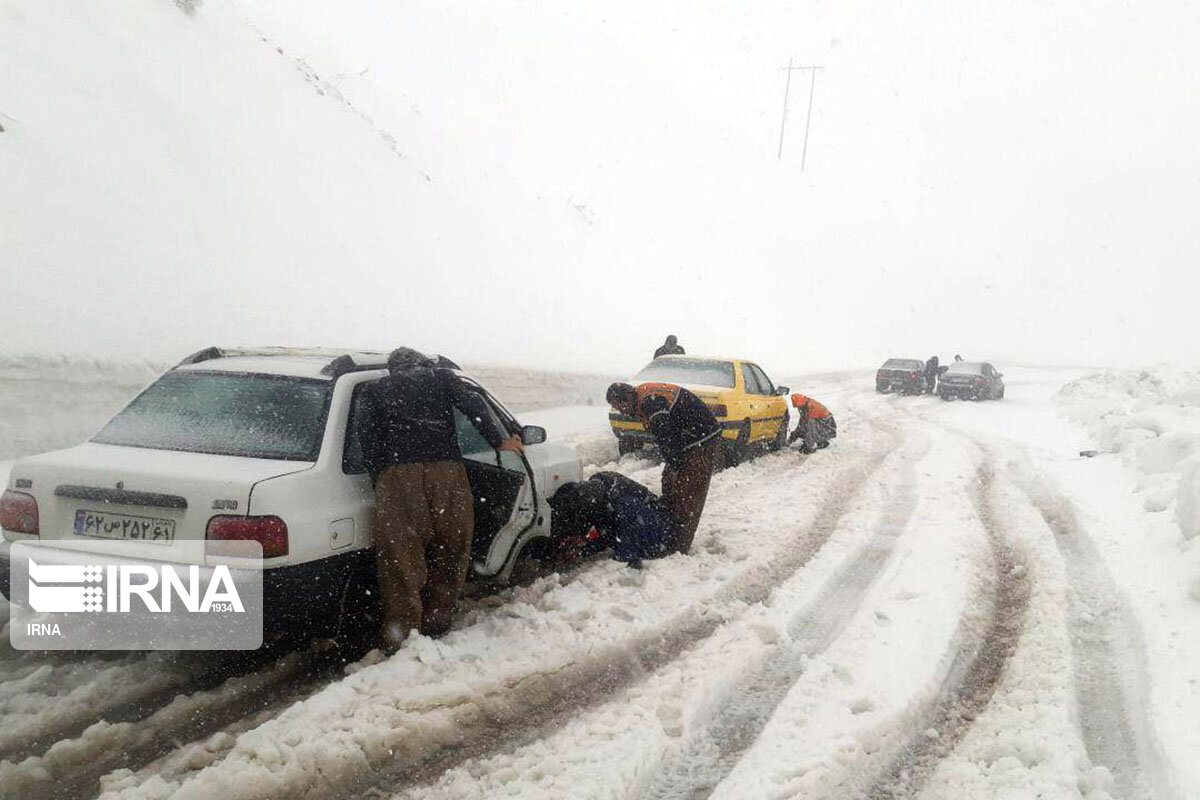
(626, 428)
(959, 390)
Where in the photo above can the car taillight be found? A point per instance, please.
(718, 410)
(912, 374)
(19, 512)
(271, 532)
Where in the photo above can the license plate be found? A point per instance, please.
(104, 525)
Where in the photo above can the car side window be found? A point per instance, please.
(763, 381)
(352, 455)
(470, 440)
(751, 380)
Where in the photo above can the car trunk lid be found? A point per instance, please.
(161, 501)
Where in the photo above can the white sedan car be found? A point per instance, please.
(261, 445)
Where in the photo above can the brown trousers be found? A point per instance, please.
(424, 520)
(684, 490)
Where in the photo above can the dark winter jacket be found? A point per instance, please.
(678, 419)
(670, 347)
(629, 517)
(931, 370)
(408, 417)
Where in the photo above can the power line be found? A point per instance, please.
(808, 119)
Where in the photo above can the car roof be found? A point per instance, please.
(263, 365)
(679, 356)
(299, 362)
(976, 365)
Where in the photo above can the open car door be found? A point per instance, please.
(503, 488)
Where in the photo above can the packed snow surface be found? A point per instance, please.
(948, 602)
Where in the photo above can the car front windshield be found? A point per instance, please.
(234, 414)
(695, 371)
(902, 363)
(965, 368)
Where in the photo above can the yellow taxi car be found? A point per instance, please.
(752, 410)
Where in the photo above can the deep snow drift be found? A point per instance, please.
(1152, 418)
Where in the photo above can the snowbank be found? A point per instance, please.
(1151, 417)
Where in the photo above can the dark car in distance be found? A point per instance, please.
(904, 375)
(971, 380)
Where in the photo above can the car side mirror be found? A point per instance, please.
(533, 434)
(783, 390)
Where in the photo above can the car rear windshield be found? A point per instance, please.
(695, 371)
(965, 368)
(233, 414)
(902, 363)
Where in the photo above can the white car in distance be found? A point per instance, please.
(261, 445)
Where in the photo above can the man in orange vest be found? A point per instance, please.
(687, 435)
(817, 425)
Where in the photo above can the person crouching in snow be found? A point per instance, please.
(610, 510)
(687, 435)
(817, 425)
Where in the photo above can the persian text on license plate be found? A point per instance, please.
(124, 526)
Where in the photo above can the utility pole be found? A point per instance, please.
(808, 120)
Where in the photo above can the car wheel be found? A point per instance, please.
(1000, 396)
(737, 450)
(535, 560)
(945, 396)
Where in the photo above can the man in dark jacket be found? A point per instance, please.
(931, 374)
(424, 511)
(670, 347)
(687, 435)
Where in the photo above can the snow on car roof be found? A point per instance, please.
(726, 359)
(298, 364)
(966, 366)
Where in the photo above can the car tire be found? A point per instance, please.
(1000, 395)
(945, 396)
(735, 452)
(535, 560)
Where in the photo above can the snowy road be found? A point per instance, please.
(947, 603)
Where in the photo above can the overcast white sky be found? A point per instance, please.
(1016, 182)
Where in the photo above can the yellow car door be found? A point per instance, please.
(755, 401)
(772, 407)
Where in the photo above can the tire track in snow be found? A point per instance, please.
(72, 768)
(1105, 644)
(704, 762)
(543, 702)
(69, 709)
(977, 669)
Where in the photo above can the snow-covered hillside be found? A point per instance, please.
(144, 146)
